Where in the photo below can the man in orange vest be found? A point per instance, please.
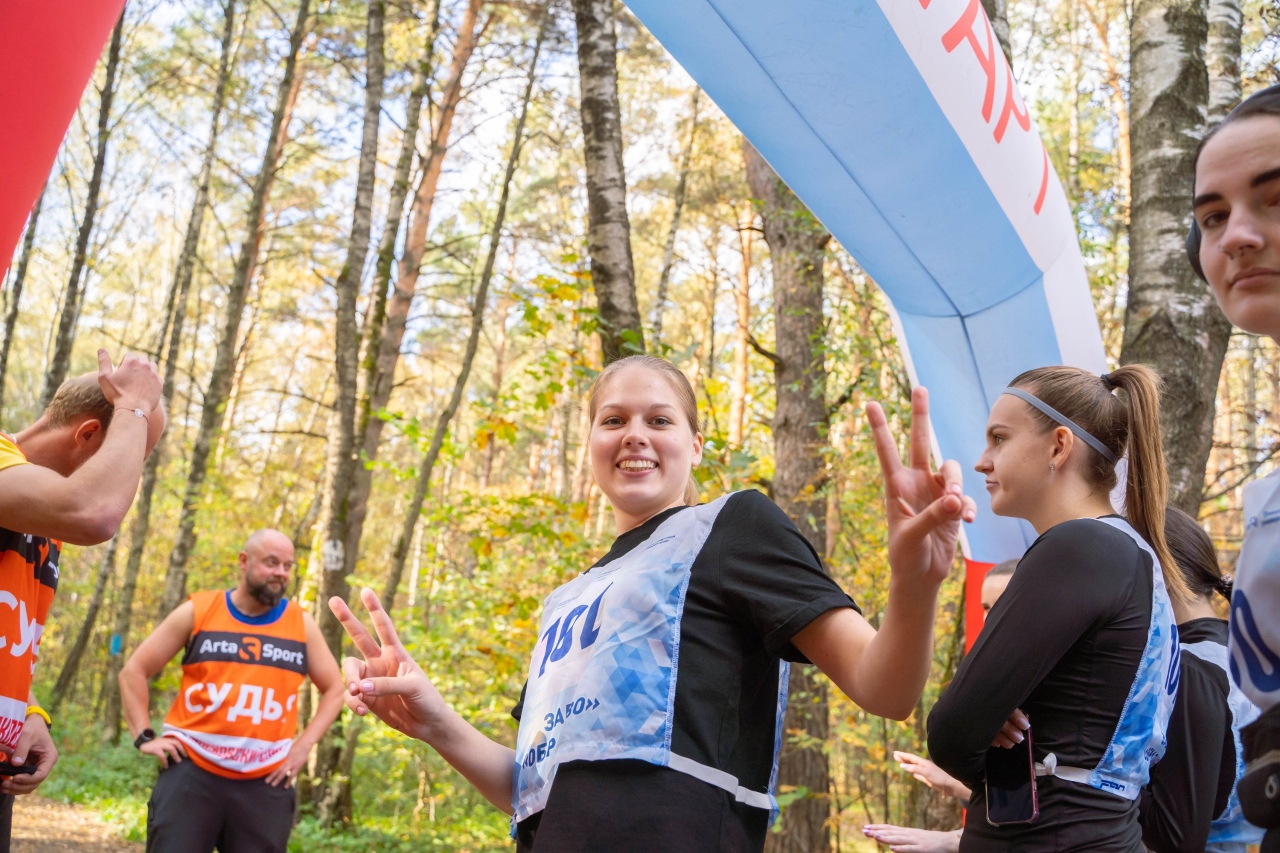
(227, 751)
(69, 477)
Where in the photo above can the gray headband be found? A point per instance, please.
(1054, 414)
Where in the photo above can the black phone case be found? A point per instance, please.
(1008, 814)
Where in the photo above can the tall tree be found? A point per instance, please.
(1171, 321)
(998, 13)
(343, 452)
(175, 581)
(608, 229)
(669, 251)
(339, 789)
(73, 296)
(388, 314)
(168, 347)
(797, 250)
(71, 667)
(14, 293)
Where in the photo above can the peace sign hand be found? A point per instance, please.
(925, 507)
(388, 681)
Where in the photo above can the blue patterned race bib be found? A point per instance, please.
(602, 679)
(1140, 737)
(1255, 630)
(1230, 832)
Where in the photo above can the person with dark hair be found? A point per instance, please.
(1191, 802)
(651, 717)
(1234, 245)
(1083, 640)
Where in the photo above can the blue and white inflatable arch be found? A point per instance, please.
(899, 125)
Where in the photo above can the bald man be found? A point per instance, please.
(228, 754)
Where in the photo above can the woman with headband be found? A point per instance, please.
(1083, 640)
(1191, 802)
(1234, 245)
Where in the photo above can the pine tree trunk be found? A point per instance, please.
(1171, 320)
(797, 249)
(71, 666)
(175, 582)
(401, 550)
(608, 228)
(669, 251)
(73, 297)
(15, 288)
(337, 560)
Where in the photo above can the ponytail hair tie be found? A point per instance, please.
(1223, 586)
(1108, 382)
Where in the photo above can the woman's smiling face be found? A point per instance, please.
(1237, 206)
(643, 446)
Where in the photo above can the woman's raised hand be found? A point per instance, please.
(387, 682)
(925, 507)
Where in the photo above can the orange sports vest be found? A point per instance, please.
(237, 709)
(28, 580)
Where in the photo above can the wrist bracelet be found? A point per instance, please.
(40, 712)
(137, 413)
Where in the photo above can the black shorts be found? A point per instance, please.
(194, 811)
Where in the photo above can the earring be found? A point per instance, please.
(1051, 466)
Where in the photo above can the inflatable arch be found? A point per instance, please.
(896, 121)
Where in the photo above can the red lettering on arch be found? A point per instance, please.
(1044, 181)
(1013, 106)
(965, 29)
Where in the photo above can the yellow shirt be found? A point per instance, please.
(10, 455)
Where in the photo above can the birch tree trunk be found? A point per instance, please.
(797, 249)
(175, 582)
(335, 518)
(669, 251)
(1171, 319)
(15, 288)
(1222, 56)
(73, 297)
(608, 228)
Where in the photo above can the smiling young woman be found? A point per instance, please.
(1083, 639)
(651, 715)
(1234, 244)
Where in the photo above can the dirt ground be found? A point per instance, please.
(44, 826)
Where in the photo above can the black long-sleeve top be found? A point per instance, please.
(1064, 644)
(1191, 784)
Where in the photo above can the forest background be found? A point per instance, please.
(379, 251)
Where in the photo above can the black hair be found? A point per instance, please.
(1003, 568)
(1196, 557)
(1263, 103)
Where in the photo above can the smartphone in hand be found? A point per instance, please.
(9, 769)
(1011, 784)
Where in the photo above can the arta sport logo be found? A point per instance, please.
(250, 649)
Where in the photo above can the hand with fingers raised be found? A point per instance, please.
(924, 506)
(388, 682)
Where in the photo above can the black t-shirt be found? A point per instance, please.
(1064, 644)
(755, 584)
(1192, 783)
